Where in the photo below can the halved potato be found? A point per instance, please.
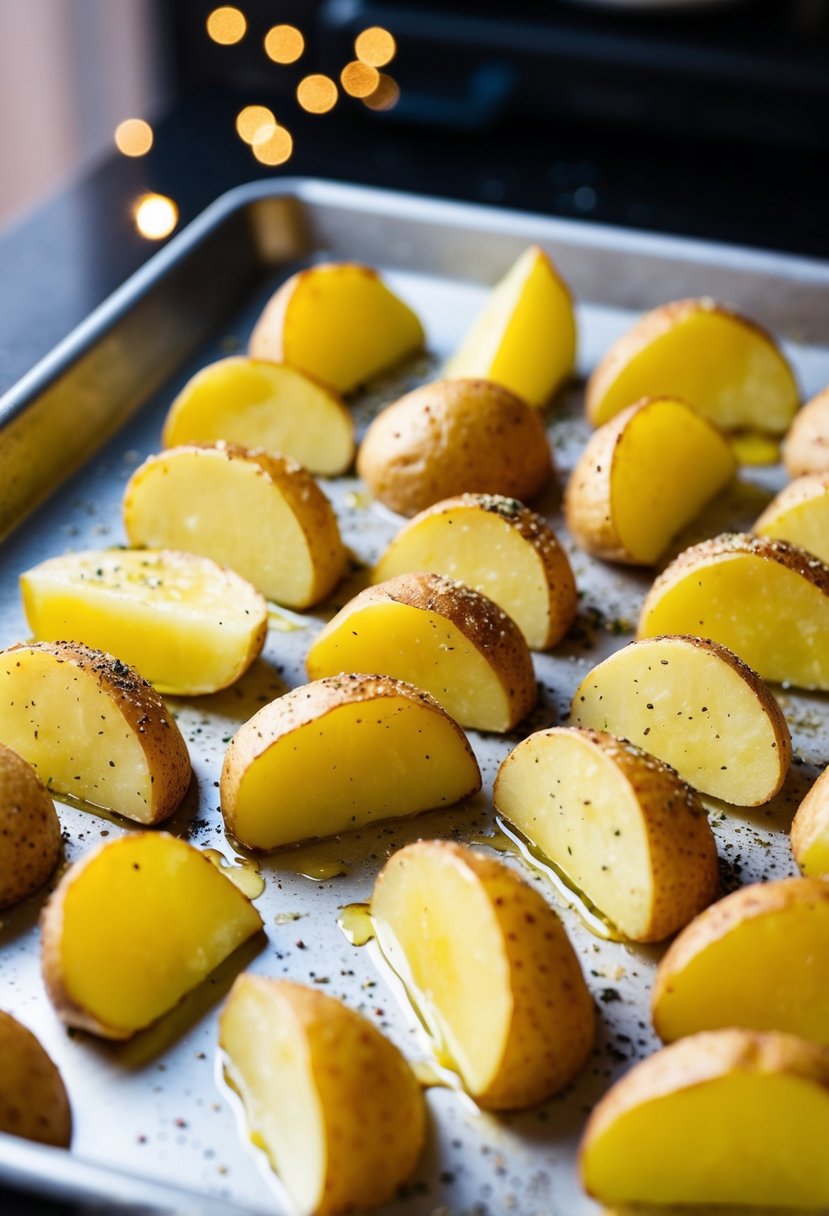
(439, 635)
(722, 363)
(338, 322)
(525, 337)
(338, 754)
(695, 705)
(262, 515)
(810, 829)
(454, 437)
(133, 927)
(490, 969)
(806, 446)
(800, 513)
(757, 959)
(727, 1117)
(188, 625)
(266, 405)
(767, 600)
(33, 1099)
(499, 547)
(618, 823)
(642, 477)
(29, 829)
(332, 1101)
(92, 728)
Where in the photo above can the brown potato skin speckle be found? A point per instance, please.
(29, 829)
(33, 1099)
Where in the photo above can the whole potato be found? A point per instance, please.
(454, 437)
(29, 829)
(33, 1099)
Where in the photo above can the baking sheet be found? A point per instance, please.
(156, 1106)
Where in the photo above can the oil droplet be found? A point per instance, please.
(496, 840)
(751, 447)
(285, 622)
(432, 1075)
(244, 873)
(356, 923)
(357, 498)
(287, 918)
(317, 861)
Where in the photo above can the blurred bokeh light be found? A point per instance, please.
(155, 216)
(227, 25)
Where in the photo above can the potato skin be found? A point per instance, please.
(806, 446)
(30, 839)
(454, 437)
(33, 1099)
(801, 490)
(811, 820)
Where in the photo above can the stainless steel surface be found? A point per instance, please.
(156, 1107)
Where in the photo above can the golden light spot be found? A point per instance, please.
(375, 46)
(284, 43)
(133, 137)
(273, 147)
(359, 79)
(155, 216)
(226, 25)
(252, 120)
(385, 96)
(317, 94)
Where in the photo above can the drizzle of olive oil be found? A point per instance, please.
(284, 621)
(432, 1075)
(243, 873)
(356, 924)
(357, 498)
(318, 862)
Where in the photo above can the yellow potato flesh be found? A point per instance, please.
(525, 338)
(805, 523)
(263, 405)
(810, 829)
(184, 623)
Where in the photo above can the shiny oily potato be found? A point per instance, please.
(810, 829)
(757, 958)
(259, 404)
(454, 437)
(618, 823)
(498, 547)
(93, 729)
(806, 446)
(643, 476)
(338, 754)
(263, 516)
(30, 838)
(800, 514)
(525, 336)
(33, 1099)
(338, 322)
(439, 635)
(188, 625)
(490, 970)
(331, 1100)
(695, 705)
(134, 927)
(726, 1117)
(722, 363)
(767, 600)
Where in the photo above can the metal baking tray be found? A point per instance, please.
(155, 1107)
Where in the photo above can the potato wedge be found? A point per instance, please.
(498, 547)
(281, 533)
(755, 959)
(695, 705)
(134, 927)
(259, 404)
(744, 592)
(33, 1099)
(29, 829)
(525, 336)
(800, 514)
(513, 1014)
(618, 823)
(727, 1117)
(332, 1101)
(92, 728)
(722, 363)
(338, 322)
(810, 829)
(806, 446)
(454, 437)
(338, 754)
(188, 625)
(642, 477)
(439, 635)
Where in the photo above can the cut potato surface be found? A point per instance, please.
(642, 477)
(133, 927)
(617, 822)
(333, 1102)
(33, 1099)
(723, 364)
(92, 728)
(439, 635)
(810, 829)
(757, 959)
(525, 337)
(695, 705)
(262, 515)
(800, 514)
(30, 840)
(338, 754)
(259, 404)
(188, 625)
(454, 437)
(727, 1117)
(806, 447)
(490, 969)
(744, 592)
(338, 322)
